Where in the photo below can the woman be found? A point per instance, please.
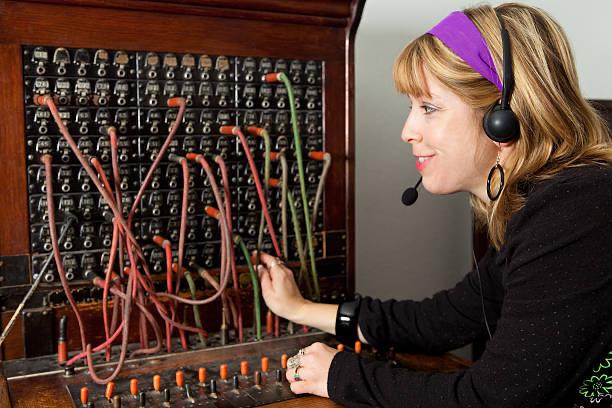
(546, 279)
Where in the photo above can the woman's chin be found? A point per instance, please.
(434, 187)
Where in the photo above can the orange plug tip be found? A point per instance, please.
(192, 156)
(357, 347)
(227, 130)
(159, 240)
(284, 361)
(212, 211)
(180, 378)
(98, 282)
(273, 77)
(110, 389)
(340, 347)
(175, 268)
(84, 395)
(62, 352)
(273, 182)
(244, 368)
(254, 130)
(41, 99)
(202, 375)
(269, 323)
(274, 156)
(317, 155)
(157, 382)
(265, 362)
(134, 386)
(175, 102)
(223, 371)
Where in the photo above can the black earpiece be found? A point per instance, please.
(500, 123)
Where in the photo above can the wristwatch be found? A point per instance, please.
(347, 319)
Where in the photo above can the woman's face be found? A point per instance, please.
(451, 150)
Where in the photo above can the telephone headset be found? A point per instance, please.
(500, 124)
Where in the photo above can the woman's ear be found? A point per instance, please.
(506, 149)
(507, 145)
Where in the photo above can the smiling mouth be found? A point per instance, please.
(422, 161)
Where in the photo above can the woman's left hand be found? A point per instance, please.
(313, 370)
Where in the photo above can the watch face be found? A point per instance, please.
(346, 321)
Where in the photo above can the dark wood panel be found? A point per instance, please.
(327, 8)
(334, 126)
(5, 398)
(349, 159)
(320, 12)
(14, 237)
(310, 401)
(49, 393)
(12, 348)
(138, 30)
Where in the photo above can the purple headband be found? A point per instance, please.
(460, 34)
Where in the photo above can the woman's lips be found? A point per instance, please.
(422, 161)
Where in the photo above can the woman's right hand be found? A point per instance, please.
(280, 292)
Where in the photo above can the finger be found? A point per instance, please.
(301, 387)
(256, 256)
(308, 373)
(261, 270)
(289, 374)
(264, 278)
(267, 259)
(278, 272)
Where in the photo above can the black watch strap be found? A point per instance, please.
(346, 321)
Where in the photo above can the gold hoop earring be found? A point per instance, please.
(500, 169)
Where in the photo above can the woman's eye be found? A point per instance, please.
(428, 109)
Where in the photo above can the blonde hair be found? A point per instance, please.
(559, 128)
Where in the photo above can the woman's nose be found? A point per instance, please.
(410, 132)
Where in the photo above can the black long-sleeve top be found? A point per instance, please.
(548, 299)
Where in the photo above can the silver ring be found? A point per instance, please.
(293, 362)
